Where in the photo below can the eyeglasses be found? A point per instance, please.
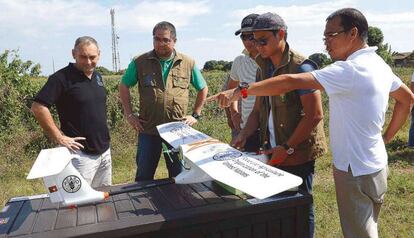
(247, 37)
(261, 42)
(162, 40)
(330, 35)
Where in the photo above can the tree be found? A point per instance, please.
(16, 90)
(210, 65)
(217, 65)
(35, 71)
(104, 71)
(320, 59)
(384, 50)
(227, 66)
(375, 38)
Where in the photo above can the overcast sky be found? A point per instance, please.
(43, 30)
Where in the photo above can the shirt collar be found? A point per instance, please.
(79, 72)
(246, 53)
(284, 61)
(362, 51)
(285, 57)
(153, 55)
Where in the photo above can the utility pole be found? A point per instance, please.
(53, 64)
(116, 64)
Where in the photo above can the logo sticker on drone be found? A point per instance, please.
(4, 220)
(71, 184)
(227, 155)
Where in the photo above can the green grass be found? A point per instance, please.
(19, 150)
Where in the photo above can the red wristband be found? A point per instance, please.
(243, 92)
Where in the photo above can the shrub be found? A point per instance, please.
(16, 91)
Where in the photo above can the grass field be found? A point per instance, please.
(19, 149)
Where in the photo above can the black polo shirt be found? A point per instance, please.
(81, 106)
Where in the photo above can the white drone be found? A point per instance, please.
(204, 159)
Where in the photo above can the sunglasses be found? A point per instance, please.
(162, 40)
(261, 42)
(247, 37)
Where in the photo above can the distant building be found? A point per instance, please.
(405, 59)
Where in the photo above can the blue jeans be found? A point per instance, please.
(411, 133)
(148, 156)
(305, 171)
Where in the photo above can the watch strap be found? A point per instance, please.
(196, 116)
(243, 86)
(285, 146)
(289, 150)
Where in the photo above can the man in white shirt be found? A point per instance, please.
(243, 70)
(358, 85)
(411, 133)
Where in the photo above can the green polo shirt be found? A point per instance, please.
(129, 79)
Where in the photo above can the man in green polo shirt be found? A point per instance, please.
(163, 76)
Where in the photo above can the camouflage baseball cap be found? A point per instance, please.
(247, 23)
(268, 22)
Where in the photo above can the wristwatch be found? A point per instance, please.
(196, 116)
(243, 86)
(289, 150)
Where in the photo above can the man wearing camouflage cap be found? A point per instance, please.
(291, 126)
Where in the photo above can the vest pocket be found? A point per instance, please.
(180, 80)
(179, 107)
(149, 80)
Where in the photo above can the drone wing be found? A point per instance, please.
(228, 165)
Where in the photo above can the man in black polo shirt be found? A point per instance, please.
(80, 98)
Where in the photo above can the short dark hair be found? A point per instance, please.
(164, 25)
(277, 31)
(351, 17)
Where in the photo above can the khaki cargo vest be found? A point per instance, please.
(159, 103)
(287, 113)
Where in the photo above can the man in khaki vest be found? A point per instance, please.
(163, 76)
(291, 125)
